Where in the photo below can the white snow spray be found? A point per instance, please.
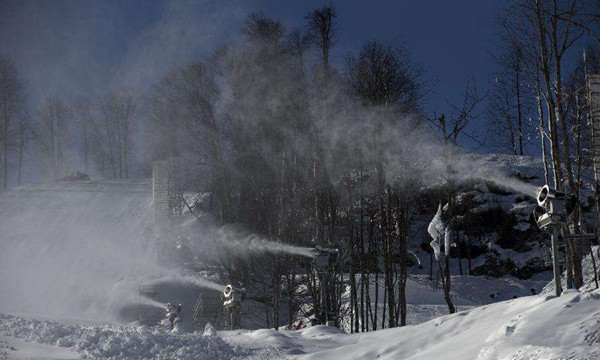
(203, 236)
(256, 243)
(189, 279)
(147, 301)
(463, 168)
(516, 185)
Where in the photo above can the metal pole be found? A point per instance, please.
(555, 264)
(324, 283)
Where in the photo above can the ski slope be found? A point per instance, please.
(534, 328)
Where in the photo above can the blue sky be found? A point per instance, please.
(69, 48)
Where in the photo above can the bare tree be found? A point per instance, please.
(462, 117)
(322, 32)
(385, 74)
(82, 114)
(510, 85)
(24, 137)
(501, 119)
(51, 136)
(11, 103)
(118, 110)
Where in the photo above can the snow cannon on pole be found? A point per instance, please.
(232, 306)
(554, 207)
(324, 260)
(173, 315)
(551, 214)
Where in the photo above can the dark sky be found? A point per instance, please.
(69, 48)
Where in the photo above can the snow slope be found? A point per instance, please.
(70, 248)
(533, 328)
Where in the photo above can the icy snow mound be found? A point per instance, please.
(118, 342)
(532, 328)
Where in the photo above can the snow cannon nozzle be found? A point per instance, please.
(173, 315)
(318, 250)
(232, 294)
(324, 258)
(232, 304)
(554, 207)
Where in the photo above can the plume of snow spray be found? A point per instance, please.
(198, 281)
(254, 243)
(462, 169)
(204, 236)
(147, 301)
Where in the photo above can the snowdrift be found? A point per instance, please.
(118, 342)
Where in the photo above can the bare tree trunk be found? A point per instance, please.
(569, 262)
(376, 268)
(23, 137)
(446, 284)
(5, 154)
(363, 278)
(458, 251)
(20, 164)
(431, 266)
(545, 68)
(389, 280)
(469, 255)
(126, 160)
(518, 92)
(353, 290)
(85, 147)
(402, 232)
(541, 127)
(276, 297)
(383, 312)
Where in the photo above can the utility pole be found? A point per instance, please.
(551, 214)
(323, 261)
(555, 262)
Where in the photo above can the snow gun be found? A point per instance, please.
(554, 207)
(553, 210)
(173, 314)
(233, 295)
(323, 261)
(232, 306)
(324, 258)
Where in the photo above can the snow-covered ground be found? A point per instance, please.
(534, 328)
